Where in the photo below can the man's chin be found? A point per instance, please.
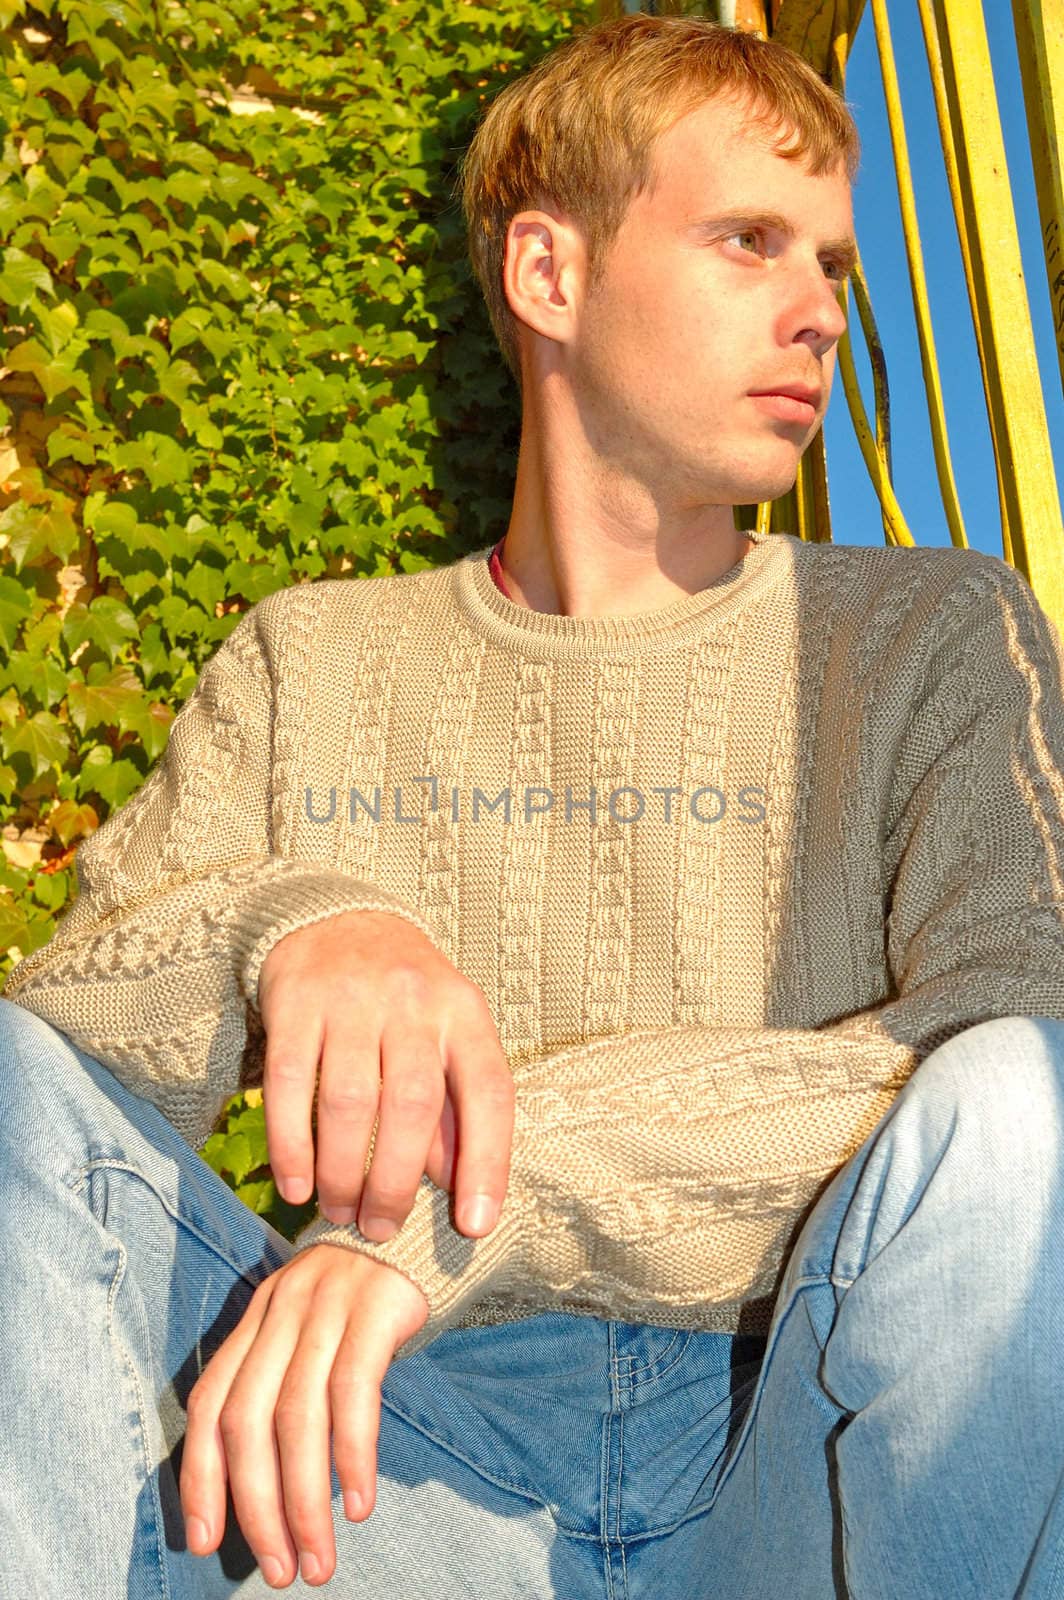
(757, 492)
(763, 474)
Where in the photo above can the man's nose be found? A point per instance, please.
(819, 317)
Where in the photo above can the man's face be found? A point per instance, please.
(695, 313)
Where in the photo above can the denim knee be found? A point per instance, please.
(27, 1042)
(1005, 1074)
(980, 1126)
(42, 1090)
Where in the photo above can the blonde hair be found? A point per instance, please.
(578, 130)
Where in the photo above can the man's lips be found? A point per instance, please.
(787, 406)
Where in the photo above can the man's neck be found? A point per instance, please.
(598, 532)
(532, 586)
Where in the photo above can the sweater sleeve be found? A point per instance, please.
(180, 895)
(664, 1175)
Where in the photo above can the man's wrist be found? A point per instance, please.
(451, 1270)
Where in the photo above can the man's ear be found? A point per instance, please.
(542, 272)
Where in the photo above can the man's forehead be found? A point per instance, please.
(738, 117)
(702, 160)
(743, 129)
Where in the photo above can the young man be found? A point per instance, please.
(722, 871)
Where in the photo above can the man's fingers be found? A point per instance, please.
(348, 1098)
(204, 1470)
(362, 1360)
(484, 1098)
(440, 1161)
(289, 1073)
(411, 1101)
(303, 1421)
(246, 1423)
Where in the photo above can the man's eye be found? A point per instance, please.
(745, 233)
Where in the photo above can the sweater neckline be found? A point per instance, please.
(545, 633)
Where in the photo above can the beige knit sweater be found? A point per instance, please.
(828, 835)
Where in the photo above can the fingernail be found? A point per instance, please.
(291, 1189)
(478, 1213)
(309, 1565)
(383, 1228)
(197, 1531)
(341, 1213)
(272, 1568)
(352, 1504)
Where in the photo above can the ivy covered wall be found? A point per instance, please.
(242, 348)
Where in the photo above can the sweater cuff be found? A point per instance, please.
(301, 893)
(451, 1270)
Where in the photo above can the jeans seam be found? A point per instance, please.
(130, 1367)
(648, 1366)
(620, 1482)
(676, 1359)
(780, 1315)
(608, 1538)
(620, 1540)
(476, 1466)
(116, 1163)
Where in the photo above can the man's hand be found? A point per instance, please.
(399, 1030)
(308, 1356)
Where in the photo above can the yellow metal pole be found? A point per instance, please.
(815, 28)
(875, 451)
(1039, 26)
(894, 524)
(819, 30)
(746, 15)
(949, 157)
(803, 510)
(1031, 503)
(917, 280)
(812, 506)
(880, 388)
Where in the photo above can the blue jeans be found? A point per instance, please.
(899, 1436)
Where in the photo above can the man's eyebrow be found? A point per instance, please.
(844, 250)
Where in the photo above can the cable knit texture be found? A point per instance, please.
(725, 871)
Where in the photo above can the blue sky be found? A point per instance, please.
(854, 507)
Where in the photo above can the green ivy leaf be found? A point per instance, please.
(12, 923)
(252, 579)
(112, 701)
(114, 782)
(54, 373)
(14, 610)
(59, 324)
(40, 680)
(152, 725)
(105, 622)
(236, 1156)
(21, 277)
(206, 585)
(251, 1121)
(42, 738)
(38, 530)
(188, 327)
(67, 442)
(181, 620)
(154, 656)
(260, 1195)
(50, 890)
